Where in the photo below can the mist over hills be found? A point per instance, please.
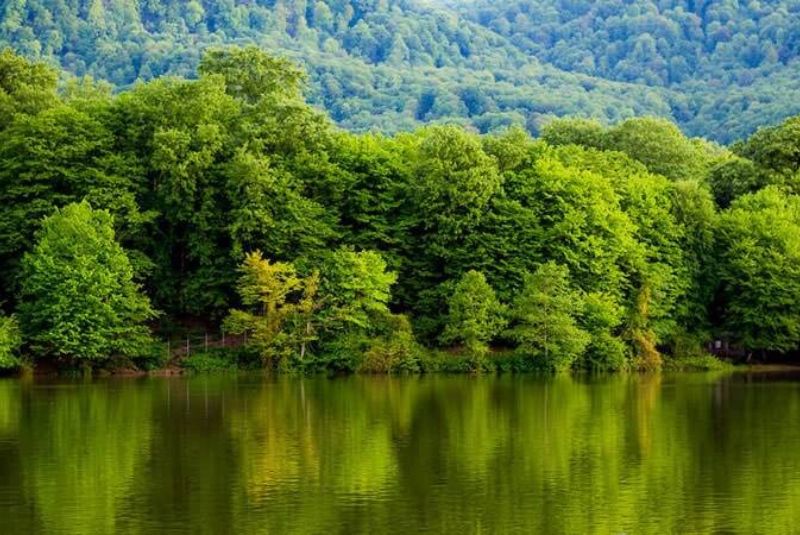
(719, 69)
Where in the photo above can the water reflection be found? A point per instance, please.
(638, 454)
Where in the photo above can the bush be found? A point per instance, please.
(696, 363)
(10, 341)
(605, 353)
(345, 353)
(398, 352)
(443, 362)
(154, 355)
(211, 362)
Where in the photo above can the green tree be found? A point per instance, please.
(475, 315)
(601, 317)
(10, 342)
(572, 131)
(251, 74)
(59, 156)
(356, 289)
(25, 87)
(736, 177)
(776, 147)
(78, 298)
(179, 133)
(759, 271)
(544, 319)
(455, 179)
(661, 147)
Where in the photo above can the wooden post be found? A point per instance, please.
(169, 350)
(188, 347)
(206, 341)
(223, 337)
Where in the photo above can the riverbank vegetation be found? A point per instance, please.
(228, 202)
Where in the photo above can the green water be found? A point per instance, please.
(642, 454)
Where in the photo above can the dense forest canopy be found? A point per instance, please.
(718, 69)
(226, 199)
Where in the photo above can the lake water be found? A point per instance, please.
(627, 454)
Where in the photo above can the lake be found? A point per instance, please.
(690, 453)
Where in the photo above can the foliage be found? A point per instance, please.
(10, 342)
(475, 316)
(394, 64)
(696, 363)
(601, 318)
(382, 254)
(273, 294)
(727, 64)
(397, 351)
(355, 287)
(210, 362)
(758, 267)
(544, 322)
(78, 297)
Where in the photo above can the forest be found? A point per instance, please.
(717, 69)
(227, 202)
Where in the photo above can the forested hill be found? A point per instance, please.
(736, 60)
(719, 69)
(385, 64)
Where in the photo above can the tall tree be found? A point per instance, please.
(544, 317)
(10, 341)
(475, 315)
(59, 156)
(759, 270)
(250, 74)
(273, 293)
(78, 299)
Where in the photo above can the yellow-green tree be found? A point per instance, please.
(273, 292)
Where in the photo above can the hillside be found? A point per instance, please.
(390, 65)
(734, 62)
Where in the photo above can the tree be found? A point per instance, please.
(662, 147)
(735, 177)
(25, 87)
(59, 156)
(78, 298)
(356, 288)
(179, 132)
(759, 271)
(251, 74)
(450, 193)
(274, 293)
(475, 316)
(455, 179)
(10, 341)
(601, 317)
(776, 147)
(571, 131)
(267, 210)
(544, 319)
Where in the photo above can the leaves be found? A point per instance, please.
(10, 342)
(545, 319)
(475, 314)
(78, 298)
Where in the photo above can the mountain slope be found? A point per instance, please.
(384, 64)
(393, 64)
(726, 57)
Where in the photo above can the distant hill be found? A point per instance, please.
(717, 68)
(732, 62)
